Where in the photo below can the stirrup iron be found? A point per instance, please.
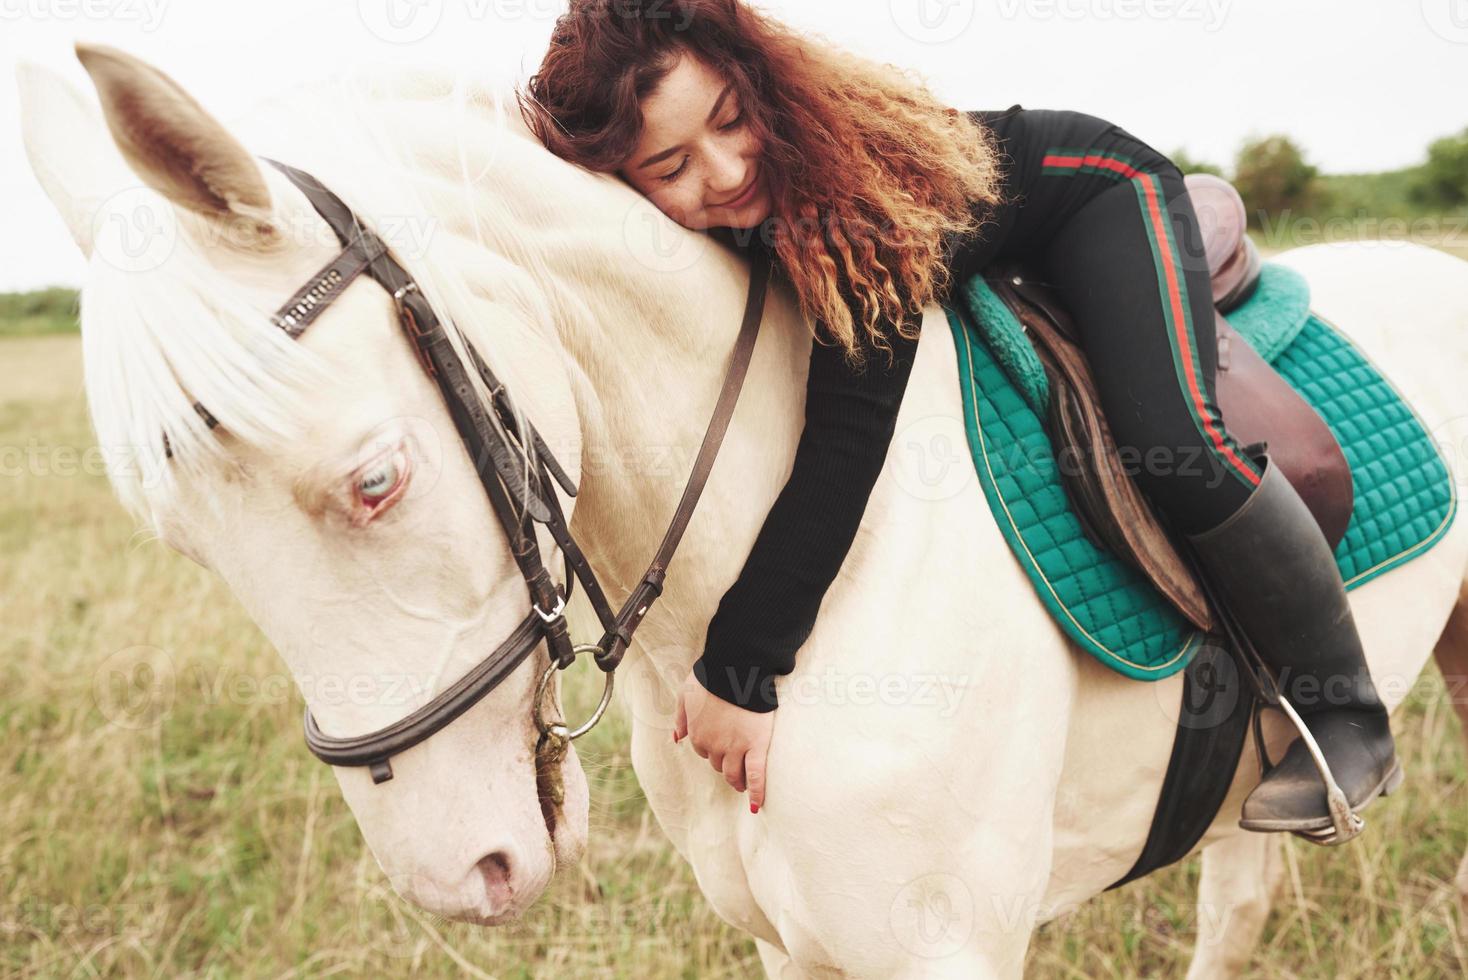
(1346, 823)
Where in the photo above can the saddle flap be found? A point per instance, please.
(1260, 406)
(1111, 505)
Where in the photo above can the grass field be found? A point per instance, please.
(160, 817)
(42, 311)
(1446, 233)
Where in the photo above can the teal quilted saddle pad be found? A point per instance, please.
(1404, 495)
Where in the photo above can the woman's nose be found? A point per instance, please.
(727, 174)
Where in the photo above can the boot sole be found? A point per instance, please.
(1388, 785)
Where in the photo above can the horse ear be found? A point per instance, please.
(174, 145)
(68, 148)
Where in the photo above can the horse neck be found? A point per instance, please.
(644, 344)
(648, 367)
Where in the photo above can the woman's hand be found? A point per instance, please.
(734, 740)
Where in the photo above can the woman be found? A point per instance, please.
(874, 200)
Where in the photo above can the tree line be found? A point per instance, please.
(1273, 175)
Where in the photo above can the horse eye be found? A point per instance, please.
(378, 483)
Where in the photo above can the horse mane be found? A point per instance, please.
(156, 341)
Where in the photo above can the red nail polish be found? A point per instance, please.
(753, 807)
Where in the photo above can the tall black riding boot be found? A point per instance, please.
(1273, 568)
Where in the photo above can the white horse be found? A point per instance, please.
(947, 771)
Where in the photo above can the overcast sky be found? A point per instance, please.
(1362, 85)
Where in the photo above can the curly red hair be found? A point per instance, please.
(872, 178)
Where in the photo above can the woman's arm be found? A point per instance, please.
(769, 611)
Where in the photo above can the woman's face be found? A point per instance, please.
(696, 159)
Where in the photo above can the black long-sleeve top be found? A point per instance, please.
(770, 610)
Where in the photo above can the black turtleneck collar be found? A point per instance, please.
(761, 236)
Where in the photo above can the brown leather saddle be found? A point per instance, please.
(1258, 405)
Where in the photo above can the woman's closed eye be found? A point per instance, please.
(734, 123)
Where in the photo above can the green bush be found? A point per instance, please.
(52, 310)
(1273, 176)
(1189, 165)
(1443, 180)
(1380, 195)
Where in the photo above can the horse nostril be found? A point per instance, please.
(495, 869)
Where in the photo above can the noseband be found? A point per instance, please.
(497, 463)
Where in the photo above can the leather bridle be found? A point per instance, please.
(499, 465)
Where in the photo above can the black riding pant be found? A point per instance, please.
(1107, 222)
